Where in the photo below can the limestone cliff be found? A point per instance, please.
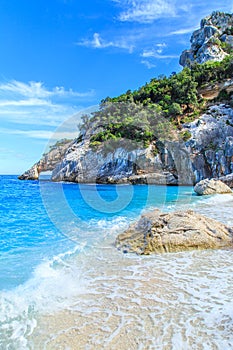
(212, 41)
(47, 162)
(207, 153)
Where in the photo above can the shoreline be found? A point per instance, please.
(162, 301)
(95, 297)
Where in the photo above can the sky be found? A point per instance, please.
(60, 57)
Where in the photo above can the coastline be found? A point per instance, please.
(91, 296)
(169, 301)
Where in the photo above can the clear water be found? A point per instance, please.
(59, 268)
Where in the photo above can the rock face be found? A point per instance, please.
(207, 154)
(209, 43)
(158, 232)
(213, 186)
(47, 162)
(82, 164)
(211, 143)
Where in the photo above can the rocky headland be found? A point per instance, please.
(212, 41)
(207, 153)
(174, 131)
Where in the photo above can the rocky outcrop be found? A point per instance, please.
(208, 153)
(158, 232)
(113, 163)
(48, 162)
(211, 186)
(212, 91)
(211, 143)
(210, 42)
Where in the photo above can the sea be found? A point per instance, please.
(64, 285)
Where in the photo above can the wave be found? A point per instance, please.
(52, 287)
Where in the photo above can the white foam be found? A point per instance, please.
(52, 287)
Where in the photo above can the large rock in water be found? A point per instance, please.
(213, 186)
(158, 232)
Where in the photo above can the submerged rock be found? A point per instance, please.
(158, 232)
(213, 186)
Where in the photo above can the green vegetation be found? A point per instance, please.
(226, 47)
(160, 107)
(61, 142)
(185, 135)
(229, 31)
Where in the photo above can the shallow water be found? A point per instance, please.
(65, 286)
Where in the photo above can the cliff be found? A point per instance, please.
(175, 130)
(48, 162)
(207, 153)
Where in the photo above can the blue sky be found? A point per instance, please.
(61, 56)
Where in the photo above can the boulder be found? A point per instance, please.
(158, 232)
(213, 186)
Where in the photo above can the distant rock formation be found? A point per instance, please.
(211, 186)
(48, 162)
(208, 153)
(158, 232)
(211, 41)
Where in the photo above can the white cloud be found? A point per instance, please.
(37, 90)
(148, 64)
(24, 103)
(160, 47)
(98, 43)
(146, 11)
(33, 104)
(182, 31)
(155, 53)
(41, 134)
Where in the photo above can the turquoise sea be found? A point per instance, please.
(64, 285)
